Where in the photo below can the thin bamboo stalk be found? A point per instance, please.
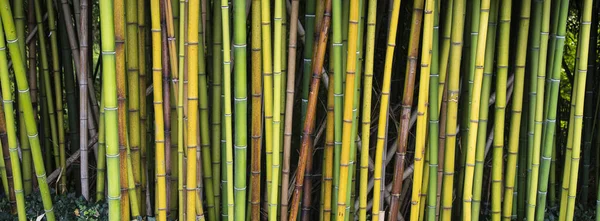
(57, 92)
(338, 94)
(311, 109)
(500, 106)
(434, 124)
(141, 7)
(276, 108)
(384, 106)
(83, 101)
(32, 71)
(366, 108)
(289, 109)
(133, 104)
(23, 88)
(47, 87)
(534, 69)
(227, 111)
(101, 160)
(256, 131)
(216, 103)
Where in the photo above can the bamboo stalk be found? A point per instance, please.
(311, 109)
(289, 109)
(366, 108)
(161, 196)
(550, 118)
(216, 103)
(579, 95)
(517, 107)
(434, 124)
(453, 91)
(338, 96)
(141, 6)
(12, 172)
(23, 88)
(32, 72)
(227, 111)
(256, 131)
(407, 100)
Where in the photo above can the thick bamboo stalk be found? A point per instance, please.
(453, 91)
(338, 96)
(276, 108)
(83, 100)
(7, 127)
(256, 131)
(289, 109)
(434, 124)
(161, 195)
(308, 126)
(23, 89)
(579, 96)
(551, 107)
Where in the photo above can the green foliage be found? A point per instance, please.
(67, 207)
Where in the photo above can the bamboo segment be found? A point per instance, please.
(434, 124)
(7, 124)
(453, 91)
(256, 131)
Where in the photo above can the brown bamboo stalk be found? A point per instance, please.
(407, 100)
(256, 112)
(289, 109)
(308, 129)
(32, 70)
(119, 13)
(83, 96)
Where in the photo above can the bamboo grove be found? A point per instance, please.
(302, 110)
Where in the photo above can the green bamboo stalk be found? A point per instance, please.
(7, 124)
(7, 172)
(5, 157)
(579, 95)
(434, 126)
(101, 160)
(204, 125)
(57, 92)
(534, 69)
(500, 107)
(23, 88)
(488, 68)
(550, 121)
(338, 94)
(141, 6)
(47, 87)
(366, 108)
(133, 79)
(240, 106)
(227, 112)
(23, 141)
(309, 24)
(19, 17)
(216, 103)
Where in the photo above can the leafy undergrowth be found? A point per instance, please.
(66, 207)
